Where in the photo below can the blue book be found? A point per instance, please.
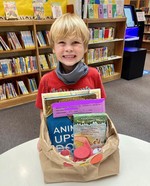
(60, 132)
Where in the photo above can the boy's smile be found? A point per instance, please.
(69, 51)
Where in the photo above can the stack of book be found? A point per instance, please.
(43, 62)
(22, 87)
(32, 85)
(7, 91)
(27, 39)
(40, 38)
(101, 34)
(97, 55)
(106, 70)
(13, 40)
(97, 8)
(17, 65)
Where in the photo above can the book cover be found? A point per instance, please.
(60, 132)
(43, 62)
(49, 98)
(105, 11)
(91, 126)
(96, 35)
(10, 10)
(95, 7)
(38, 9)
(100, 11)
(120, 8)
(56, 10)
(90, 11)
(22, 87)
(106, 33)
(114, 13)
(109, 9)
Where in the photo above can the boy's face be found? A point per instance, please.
(69, 51)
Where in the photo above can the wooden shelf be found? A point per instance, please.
(111, 78)
(115, 46)
(17, 100)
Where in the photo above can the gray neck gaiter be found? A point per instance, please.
(80, 71)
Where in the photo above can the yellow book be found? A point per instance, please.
(95, 7)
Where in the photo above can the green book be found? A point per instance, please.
(90, 11)
(93, 126)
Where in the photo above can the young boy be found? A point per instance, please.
(69, 37)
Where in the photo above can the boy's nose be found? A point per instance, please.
(68, 48)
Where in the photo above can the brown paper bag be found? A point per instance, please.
(56, 168)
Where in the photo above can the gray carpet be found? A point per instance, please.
(128, 105)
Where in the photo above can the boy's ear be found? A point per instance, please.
(53, 50)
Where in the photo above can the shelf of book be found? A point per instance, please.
(17, 100)
(111, 78)
(106, 46)
(146, 34)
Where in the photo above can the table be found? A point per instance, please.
(20, 166)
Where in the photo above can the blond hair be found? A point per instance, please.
(69, 25)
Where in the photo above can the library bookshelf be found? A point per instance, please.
(109, 65)
(146, 34)
(42, 58)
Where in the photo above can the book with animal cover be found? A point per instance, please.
(10, 9)
(92, 126)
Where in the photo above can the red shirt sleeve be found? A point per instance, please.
(41, 89)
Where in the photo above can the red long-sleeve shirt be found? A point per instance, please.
(51, 83)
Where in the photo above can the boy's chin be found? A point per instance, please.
(70, 64)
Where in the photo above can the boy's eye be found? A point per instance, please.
(61, 42)
(76, 42)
